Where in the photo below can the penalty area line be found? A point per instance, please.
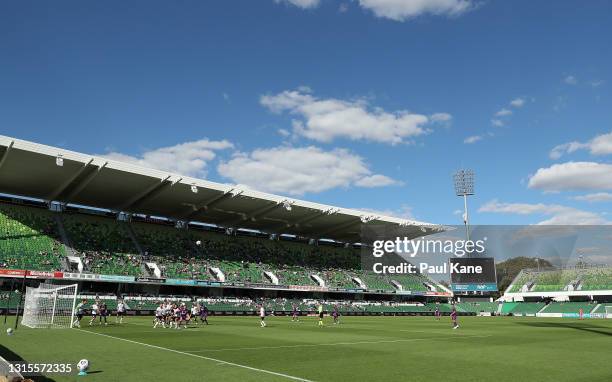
(219, 361)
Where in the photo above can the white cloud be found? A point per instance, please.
(441, 118)
(596, 197)
(558, 214)
(401, 10)
(304, 4)
(472, 139)
(573, 176)
(517, 102)
(597, 83)
(326, 119)
(558, 151)
(600, 145)
(404, 212)
(189, 158)
(503, 112)
(299, 170)
(497, 122)
(570, 80)
(376, 180)
(283, 133)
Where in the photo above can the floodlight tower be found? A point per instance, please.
(464, 186)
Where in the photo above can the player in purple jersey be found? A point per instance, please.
(336, 315)
(183, 315)
(103, 313)
(294, 314)
(453, 316)
(204, 314)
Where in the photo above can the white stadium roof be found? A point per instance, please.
(31, 169)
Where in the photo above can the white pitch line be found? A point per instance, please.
(220, 361)
(333, 344)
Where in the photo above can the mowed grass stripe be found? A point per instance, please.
(218, 361)
(337, 344)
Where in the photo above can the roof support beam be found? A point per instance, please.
(340, 227)
(304, 220)
(148, 193)
(207, 204)
(253, 215)
(6, 152)
(58, 191)
(80, 186)
(313, 217)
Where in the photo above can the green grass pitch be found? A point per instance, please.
(359, 349)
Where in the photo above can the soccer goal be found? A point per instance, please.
(49, 306)
(608, 311)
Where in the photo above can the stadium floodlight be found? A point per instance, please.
(287, 204)
(464, 186)
(59, 160)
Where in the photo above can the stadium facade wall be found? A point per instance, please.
(19, 273)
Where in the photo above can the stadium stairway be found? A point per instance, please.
(62, 231)
(132, 235)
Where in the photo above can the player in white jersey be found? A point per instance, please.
(195, 311)
(79, 311)
(94, 312)
(159, 316)
(262, 316)
(176, 315)
(121, 310)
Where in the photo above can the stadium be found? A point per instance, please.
(137, 236)
(306, 190)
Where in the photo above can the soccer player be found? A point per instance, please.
(437, 312)
(262, 315)
(204, 314)
(103, 313)
(320, 310)
(80, 311)
(121, 308)
(94, 312)
(454, 318)
(174, 320)
(581, 313)
(159, 316)
(294, 315)
(336, 315)
(167, 311)
(183, 313)
(195, 311)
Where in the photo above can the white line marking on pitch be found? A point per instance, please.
(220, 361)
(333, 344)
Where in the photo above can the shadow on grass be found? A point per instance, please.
(10, 356)
(587, 327)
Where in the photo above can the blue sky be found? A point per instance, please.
(366, 104)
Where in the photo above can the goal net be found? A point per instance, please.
(609, 311)
(49, 306)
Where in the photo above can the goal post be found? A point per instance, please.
(49, 306)
(608, 311)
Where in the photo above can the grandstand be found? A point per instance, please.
(149, 226)
(561, 283)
